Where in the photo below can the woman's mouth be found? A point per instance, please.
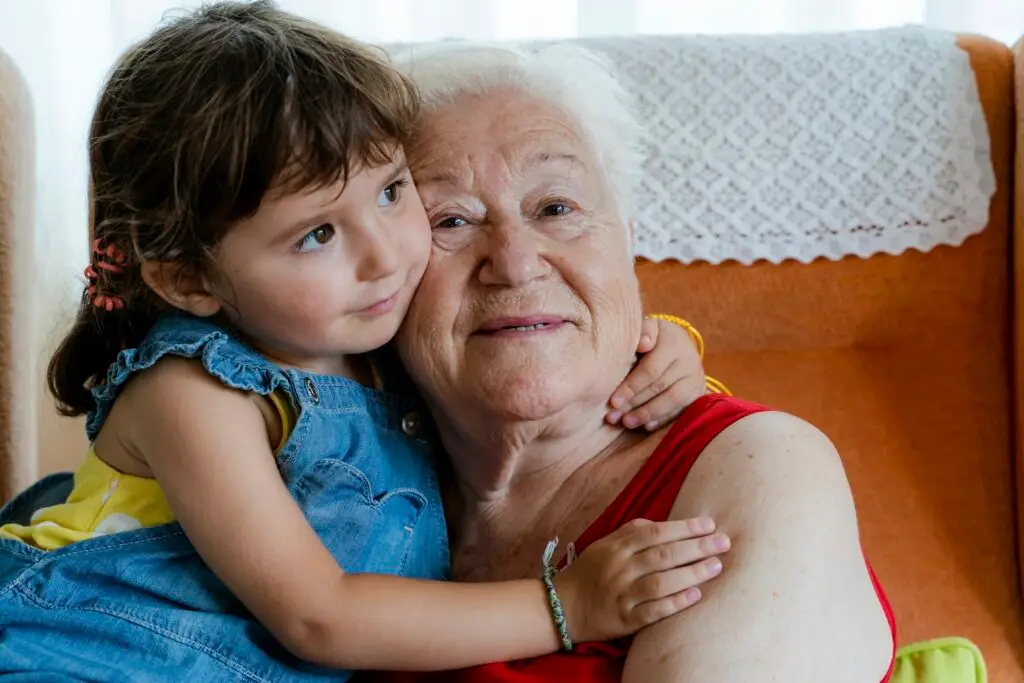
(518, 326)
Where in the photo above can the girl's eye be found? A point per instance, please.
(556, 209)
(451, 222)
(392, 193)
(317, 238)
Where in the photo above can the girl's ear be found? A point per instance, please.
(182, 288)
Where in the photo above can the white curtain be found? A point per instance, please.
(64, 48)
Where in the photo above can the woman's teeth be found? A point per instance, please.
(526, 328)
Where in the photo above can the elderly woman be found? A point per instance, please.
(526, 321)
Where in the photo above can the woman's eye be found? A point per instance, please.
(556, 209)
(317, 238)
(451, 222)
(391, 193)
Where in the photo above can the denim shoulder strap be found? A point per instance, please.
(223, 355)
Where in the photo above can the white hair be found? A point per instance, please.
(573, 79)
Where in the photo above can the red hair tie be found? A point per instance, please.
(115, 264)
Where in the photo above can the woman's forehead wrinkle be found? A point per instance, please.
(521, 136)
(547, 150)
(438, 163)
(444, 172)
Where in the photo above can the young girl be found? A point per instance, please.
(257, 241)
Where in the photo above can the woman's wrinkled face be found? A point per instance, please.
(529, 303)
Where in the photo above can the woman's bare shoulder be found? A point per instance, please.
(795, 577)
(773, 471)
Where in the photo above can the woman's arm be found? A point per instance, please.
(796, 602)
(209, 448)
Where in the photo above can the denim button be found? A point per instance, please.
(311, 390)
(411, 424)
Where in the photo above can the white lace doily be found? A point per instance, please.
(804, 146)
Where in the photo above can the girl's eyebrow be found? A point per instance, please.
(400, 170)
(310, 222)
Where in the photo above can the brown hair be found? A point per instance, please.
(193, 127)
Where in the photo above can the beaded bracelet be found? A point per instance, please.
(698, 341)
(713, 385)
(553, 602)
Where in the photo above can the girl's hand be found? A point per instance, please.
(637, 575)
(668, 378)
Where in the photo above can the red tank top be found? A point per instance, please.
(650, 494)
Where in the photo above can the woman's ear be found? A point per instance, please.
(181, 287)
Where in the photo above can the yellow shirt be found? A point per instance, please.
(104, 501)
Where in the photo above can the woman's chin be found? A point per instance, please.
(528, 394)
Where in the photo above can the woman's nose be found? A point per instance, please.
(513, 256)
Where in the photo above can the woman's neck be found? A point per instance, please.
(525, 465)
(517, 486)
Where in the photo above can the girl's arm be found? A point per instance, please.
(667, 378)
(209, 448)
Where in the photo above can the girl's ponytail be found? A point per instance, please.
(87, 351)
(109, 320)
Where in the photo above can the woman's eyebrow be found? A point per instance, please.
(445, 175)
(531, 161)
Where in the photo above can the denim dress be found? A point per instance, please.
(142, 606)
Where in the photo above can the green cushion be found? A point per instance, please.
(943, 660)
